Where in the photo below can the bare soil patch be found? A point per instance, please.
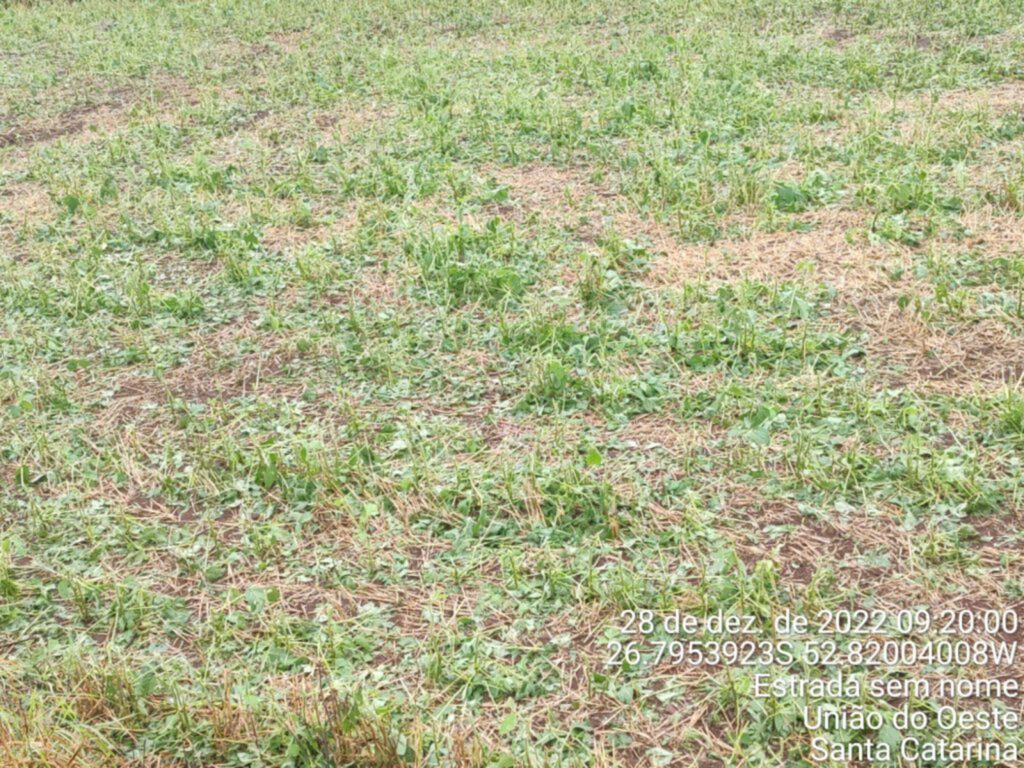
(805, 545)
(101, 117)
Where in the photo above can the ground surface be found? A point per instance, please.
(361, 362)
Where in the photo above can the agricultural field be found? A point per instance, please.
(362, 363)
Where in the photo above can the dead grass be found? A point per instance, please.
(836, 250)
(953, 357)
(341, 124)
(291, 237)
(1003, 97)
(575, 197)
(205, 377)
(832, 248)
(327, 126)
(997, 233)
(289, 41)
(846, 548)
(918, 118)
(547, 186)
(23, 204)
(969, 357)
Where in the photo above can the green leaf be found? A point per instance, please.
(508, 724)
(659, 756)
(790, 198)
(759, 436)
(889, 735)
(71, 204)
(146, 683)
